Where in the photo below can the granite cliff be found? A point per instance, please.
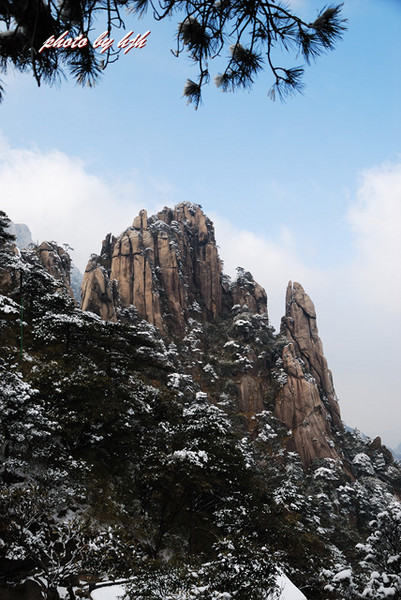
(168, 267)
(54, 259)
(300, 327)
(307, 403)
(57, 262)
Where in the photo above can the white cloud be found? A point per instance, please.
(367, 355)
(58, 198)
(375, 219)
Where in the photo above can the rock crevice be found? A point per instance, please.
(164, 264)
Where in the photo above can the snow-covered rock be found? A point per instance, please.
(112, 592)
(288, 590)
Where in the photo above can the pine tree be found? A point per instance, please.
(248, 31)
(5, 236)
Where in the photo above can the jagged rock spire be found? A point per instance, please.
(165, 265)
(307, 402)
(300, 326)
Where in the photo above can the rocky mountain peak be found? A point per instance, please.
(57, 262)
(54, 258)
(307, 402)
(246, 291)
(166, 265)
(299, 325)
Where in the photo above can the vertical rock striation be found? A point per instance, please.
(307, 402)
(166, 266)
(300, 327)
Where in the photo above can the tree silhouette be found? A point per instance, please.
(248, 31)
(5, 235)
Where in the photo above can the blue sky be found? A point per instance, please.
(309, 190)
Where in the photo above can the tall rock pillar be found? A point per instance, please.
(307, 402)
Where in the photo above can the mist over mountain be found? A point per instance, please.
(397, 452)
(22, 234)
